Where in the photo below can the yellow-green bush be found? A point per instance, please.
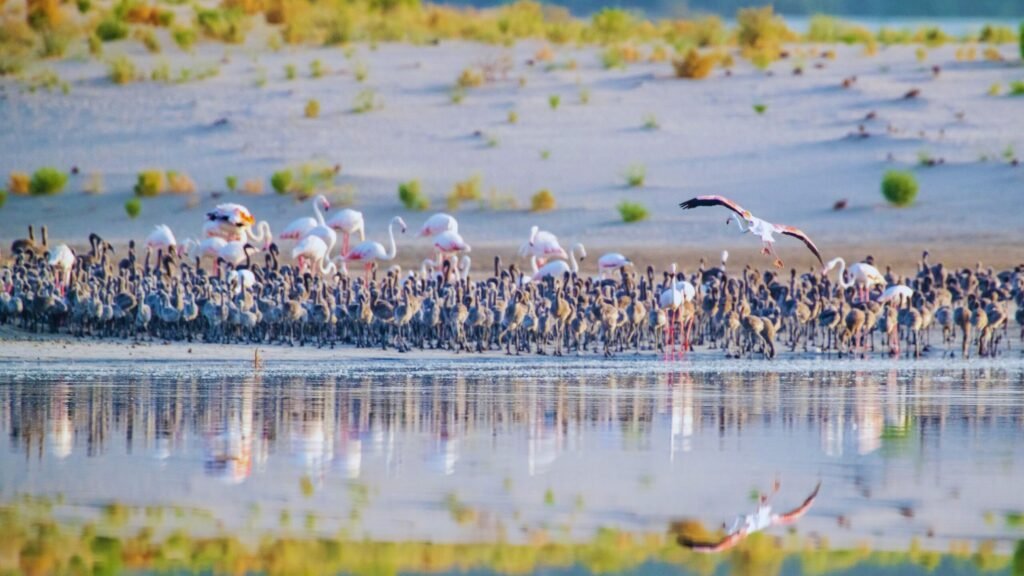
(150, 183)
(542, 201)
(694, 65)
(469, 190)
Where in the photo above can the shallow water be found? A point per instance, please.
(593, 471)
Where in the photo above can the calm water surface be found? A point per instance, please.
(918, 469)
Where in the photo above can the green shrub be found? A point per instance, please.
(313, 108)
(227, 25)
(760, 108)
(281, 181)
(316, 69)
(185, 38)
(122, 70)
(161, 73)
(83, 6)
(3, 197)
(992, 34)
(150, 183)
(899, 187)
(95, 45)
(232, 183)
(133, 207)
(148, 39)
(513, 117)
(290, 71)
(111, 30)
(469, 190)
(632, 211)
(1017, 88)
(651, 122)
(47, 181)
(361, 72)
(470, 78)
(636, 175)
(366, 101)
(410, 195)
(554, 100)
(542, 201)
(1020, 39)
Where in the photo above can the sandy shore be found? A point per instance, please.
(789, 165)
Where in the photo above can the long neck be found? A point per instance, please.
(533, 263)
(316, 210)
(739, 223)
(842, 273)
(262, 231)
(393, 249)
(327, 268)
(572, 261)
(464, 269)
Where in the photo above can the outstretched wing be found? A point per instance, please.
(701, 201)
(722, 545)
(797, 233)
(795, 514)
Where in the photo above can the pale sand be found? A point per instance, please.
(789, 165)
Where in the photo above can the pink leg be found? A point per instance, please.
(344, 244)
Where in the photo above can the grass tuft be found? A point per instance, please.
(469, 190)
(760, 108)
(632, 211)
(542, 201)
(694, 66)
(636, 175)
(47, 182)
(133, 207)
(150, 183)
(17, 183)
(312, 108)
(122, 70)
(411, 196)
(899, 187)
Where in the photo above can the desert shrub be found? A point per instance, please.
(703, 32)
(17, 183)
(3, 197)
(761, 33)
(290, 71)
(889, 36)
(513, 117)
(180, 183)
(231, 182)
(993, 34)
(111, 30)
(150, 183)
(632, 211)
(161, 73)
(457, 95)
(584, 96)
(542, 201)
(470, 78)
(316, 69)
(55, 39)
(694, 66)
(1020, 40)
(993, 54)
(148, 39)
(1017, 88)
(253, 187)
(95, 45)
(410, 195)
(545, 154)
(995, 89)
(651, 122)
(121, 70)
(469, 190)
(133, 207)
(281, 181)
(760, 108)
(611, 24)
(832, 30)
(618, 55)
(554, 100)
(899, 187)
(185, 38)
(366, 101)
(94, 185)
(227, 25)
(312, 108)
(921, 54)
(47, 181)
(658, 54)
(360, 72)
(636, 175)
(931, 36)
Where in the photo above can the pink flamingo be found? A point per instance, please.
(369, 251)
(348, 222)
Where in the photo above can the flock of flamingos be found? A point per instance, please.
(231, 286)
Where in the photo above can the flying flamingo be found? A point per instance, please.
(369, 251)
(449, 242)
(437, 224)
(300, 227)
(61, 259)
(314, 250)
(761, 519)
(864, 276)
(558, 268)
(544, 245)
(755, 225)
(610, 262)
(348, 222)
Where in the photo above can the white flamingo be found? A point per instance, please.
(558, 268)
(462, 270)
(900, 293)
(161, 238)
(368, 252)
(235, 253)
(450, 242)
(671, 299)
(348, 222)
(300, 227)
(863, 276)
(611, 262)
(208, 248)
(437, 224)
(314, 250)
(756, 226)
(62, 260)
(542, 244)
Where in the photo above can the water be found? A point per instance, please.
(505, 468)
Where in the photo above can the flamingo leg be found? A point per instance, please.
(344, 243)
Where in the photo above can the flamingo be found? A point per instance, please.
(865, 276)
(61, 259)
(161, 238)
(462, 270)
(314, 250)
(755, 225)
(558, 268)
(235, 252)
(449, 242)
(899, 292)
(761, 519)
(610, 262)
(208, 248)
(348, 222)
(671, 299)
(233, 214)
(368, 252)
(437, 224)
(300, 227)
(542, 244)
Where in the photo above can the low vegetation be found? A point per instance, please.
(150, 183)
(554, 100)
(1017, 88)
(17, 183)
(133, 207)
(312, 108)
(542, 201)
(231, 182)
(184, 37)
(366, 101)
(636, 175)
(760, 108)
(694, 66)
(304, 180)
(469, 190)
(411, 196)
(122, 70)
(47, 182)
(3, 197)
(632, 211)
(651, 122)
(899, 187)
(180, 183)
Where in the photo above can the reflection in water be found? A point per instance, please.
(904, 457)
